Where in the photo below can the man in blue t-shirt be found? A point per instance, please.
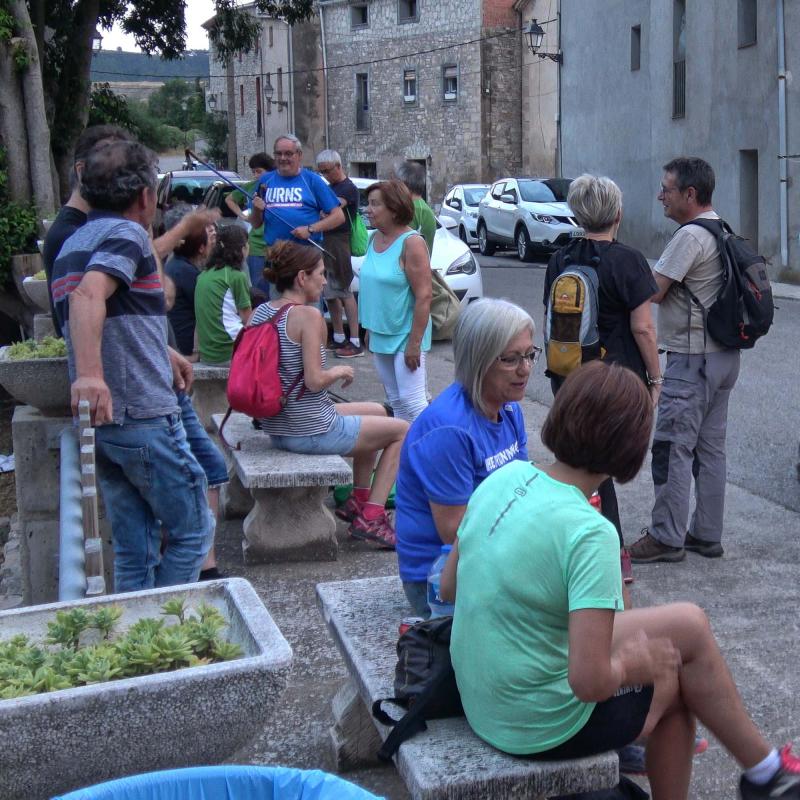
(449, 450)
(291, 200)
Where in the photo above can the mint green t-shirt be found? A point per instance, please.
(531, 550)
(218, 297)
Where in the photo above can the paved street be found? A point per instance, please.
(750, 595)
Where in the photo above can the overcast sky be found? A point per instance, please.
(197, 12)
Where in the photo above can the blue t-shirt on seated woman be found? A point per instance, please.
(448, 451)
(292, 203)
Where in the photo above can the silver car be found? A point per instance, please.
(528, 214)
(461, 204)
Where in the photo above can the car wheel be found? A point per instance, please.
(486, 247)
(524, 249)
(462, 234)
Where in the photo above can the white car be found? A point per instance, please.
(529, 214)
(451, 257)
(461, 204)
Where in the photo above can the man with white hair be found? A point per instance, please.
(294, 203)
(338, 267)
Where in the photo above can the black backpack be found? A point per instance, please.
(424, 683)
(743, 310)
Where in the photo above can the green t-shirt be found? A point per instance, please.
(531, 550)
(218, 297)
(256, 236)
(424, 221)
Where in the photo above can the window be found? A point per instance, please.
(364, 169)
(748, 25)
(678, 59)
(268, 77)
(748, 195)
(636, 47)
(279, 79)
(241, 99)
(410, 86)
(407, 11)
(258, 45)
(362, 101)
(258, 106)
(359, 15)
(450, 82)
(497, 190)
(270, 35)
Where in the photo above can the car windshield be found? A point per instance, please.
(190, 190)
(474, 196)
(552, 190)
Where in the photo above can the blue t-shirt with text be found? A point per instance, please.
(292, 203)
(448, 451)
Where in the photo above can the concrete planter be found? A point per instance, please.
(38, 293)
(39, 382)
(64, 740)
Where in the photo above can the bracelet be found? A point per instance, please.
(655, 381)
(310, 232)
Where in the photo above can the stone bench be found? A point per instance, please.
(448, 760)
(289, 520)
(208, 392)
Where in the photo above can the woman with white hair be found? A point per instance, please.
(626, 284)
(471, 429)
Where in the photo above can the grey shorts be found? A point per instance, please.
(338, 267)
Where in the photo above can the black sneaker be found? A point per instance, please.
(785, 784)
(704, 548)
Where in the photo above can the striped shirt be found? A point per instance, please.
(136, 366)
(314, 412)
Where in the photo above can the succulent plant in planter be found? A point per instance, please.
(89, 695)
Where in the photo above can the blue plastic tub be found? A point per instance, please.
(225, 783)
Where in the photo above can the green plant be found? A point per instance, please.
(17, 223)
(49, 347)
(71, 654)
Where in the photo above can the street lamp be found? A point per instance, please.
(535, 33)
(269, 92)
(212, 102)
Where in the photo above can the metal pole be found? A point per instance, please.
(71, 559)
(783, 166)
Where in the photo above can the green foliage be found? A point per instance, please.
(17, 225)
(215, 128)
(48, 347)
(79, 648)
(6, 25)
(108, 108)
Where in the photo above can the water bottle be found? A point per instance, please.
(438, 607)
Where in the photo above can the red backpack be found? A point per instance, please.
(254, 384)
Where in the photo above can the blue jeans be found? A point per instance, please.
(203, 449)
(255, 266)
(417, 596)
(149, 478)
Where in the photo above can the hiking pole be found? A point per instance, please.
(189, 155)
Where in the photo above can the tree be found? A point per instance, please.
(108, 108)
(45, 61)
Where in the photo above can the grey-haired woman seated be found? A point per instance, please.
(471, 429)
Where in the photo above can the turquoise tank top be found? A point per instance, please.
(385, 300)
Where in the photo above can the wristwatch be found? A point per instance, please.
(310, 232)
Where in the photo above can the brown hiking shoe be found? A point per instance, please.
(647, 550)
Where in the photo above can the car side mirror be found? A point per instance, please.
(508, 198)
(454, 203)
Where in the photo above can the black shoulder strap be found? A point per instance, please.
(412, 722)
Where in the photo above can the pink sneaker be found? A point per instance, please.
(350, 509)
(380, 531)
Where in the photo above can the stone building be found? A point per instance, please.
(436, 81)
(288, 59)
(642, 82)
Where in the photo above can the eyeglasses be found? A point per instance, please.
(325, 170)
(668, 189)
(513, 361)
(285, 153)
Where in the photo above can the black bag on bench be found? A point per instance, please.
(424, 683)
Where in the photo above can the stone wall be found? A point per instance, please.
(473, 138)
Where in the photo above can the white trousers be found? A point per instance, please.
(406, 391)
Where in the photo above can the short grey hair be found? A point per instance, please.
(176, 213)
(329, 157)
(412, 175)
(596, 201)
(290, 137)
(482, 333)
(115, 174)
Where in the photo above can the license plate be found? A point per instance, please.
(578, 233)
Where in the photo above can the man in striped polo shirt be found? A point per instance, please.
(108, 296)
